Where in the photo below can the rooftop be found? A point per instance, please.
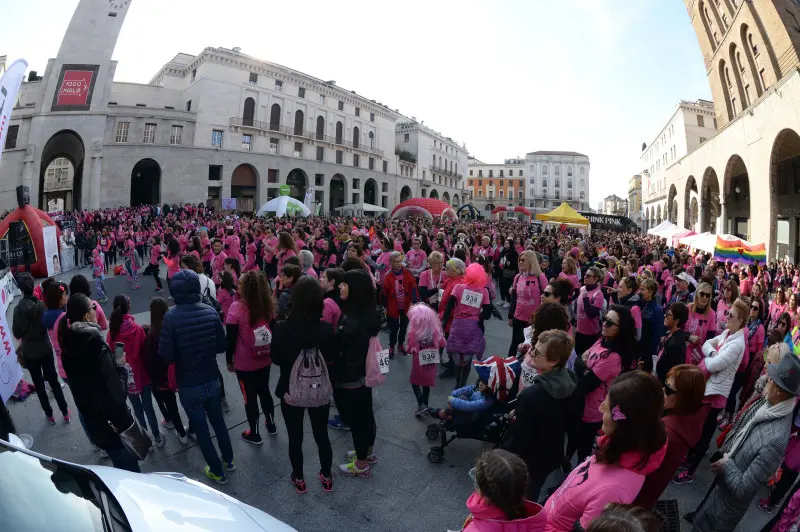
(565, 153)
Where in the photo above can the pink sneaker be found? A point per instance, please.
(683, 477)
(67, 419)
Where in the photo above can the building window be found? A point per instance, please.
(278, 85)
(274, 145)
(500, 194)
(322, 99)
(582, 195)
(501, 175)
(469, 182)
(13, 132)
(372, 163)
(320, 153)
(372, 117)
(121, 136)
(189, 106)
(480, 173)
(583, 171)
(480, 193)
(531, 181)
(356, 183)
(176, 135)
(272, 175)
(470, 172)
(371, 140)
(700, 121)
(480, 182)
(301, 92)
(253, 78)
(358, 111)
(216, 138)
(384, 187)
(149, 134)
(385, 166)
(405, 137)
(247, 142)
(544, 170)
(298, 149)
(194, 75)
(491, 173)
(338, 156)
(702, 140)
(341, 105)
(214, 172)
(355, 160)
(558, 171)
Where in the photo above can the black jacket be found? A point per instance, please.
(98, 385)
(352, 343)
(674, 353)
(28, 327)
(543, 413)
(289, 337)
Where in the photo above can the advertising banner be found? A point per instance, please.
(228, 204)
(75, 88)
(9, 86)
(10, 370)
(50, 240)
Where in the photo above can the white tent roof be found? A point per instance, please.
(669, 232)
(660, 227)
(364, 207)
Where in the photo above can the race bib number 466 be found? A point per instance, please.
(428, 356)
(471, 299)
(383, 361)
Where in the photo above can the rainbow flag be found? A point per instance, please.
(739, 251)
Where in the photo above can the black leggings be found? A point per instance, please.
(783, 486)
(422, 393)
(505, 286)
(696, 453)
(45, 370)
(293, 417)
(255, 386)
(738, 383)
(394, 324)
(355, 410)
(168, 405)
(152, 269)
(517, 336)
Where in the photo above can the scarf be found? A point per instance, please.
(755, 415)
(753, 326)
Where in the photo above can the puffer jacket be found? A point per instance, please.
(723, 354)
(486, 517)
(98, 385)
(29, 328)
(352, 343)
(132, 336)
(192, 333)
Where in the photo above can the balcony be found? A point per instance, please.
(308, 135)
(444, 172)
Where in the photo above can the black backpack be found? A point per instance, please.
(210, 301)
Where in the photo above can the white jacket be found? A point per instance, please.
(723, 354)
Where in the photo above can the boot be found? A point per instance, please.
(449, 371)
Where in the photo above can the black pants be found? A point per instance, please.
(168, 405)
(293, 417)
(536, 479)
(581, 439)
(45, 370)
(517, 336)
(584, 342)
(696, 453)
(505, 286)
(422, 393)
(783, 486)
(255, 387)
(152, 269)
(108, 255)
(6, 423)
(355, 410)
(397, 323)
(738, 383)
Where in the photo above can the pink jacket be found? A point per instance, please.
(489, 518)
(591, 486)
(133, 336)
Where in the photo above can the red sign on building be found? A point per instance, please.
(74, 89)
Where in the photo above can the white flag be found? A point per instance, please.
(9, 86)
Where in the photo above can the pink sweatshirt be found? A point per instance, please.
(528, 289)
(133, 336)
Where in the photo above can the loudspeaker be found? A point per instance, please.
(23, 196)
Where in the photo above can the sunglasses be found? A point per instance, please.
(668, 390)
(729, 314)
(755, 307)
(608, 323)
(547, 294)
(704, 294)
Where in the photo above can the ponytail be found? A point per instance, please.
(122, 305)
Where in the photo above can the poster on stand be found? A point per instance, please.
(50, 239)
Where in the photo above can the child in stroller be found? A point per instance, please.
(476, 412)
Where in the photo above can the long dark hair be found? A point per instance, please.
(80, 285)
(77, 307)
(307, 300)
(624, 344)
(173, 247)
(122, 306)
(639, 397)
(257, 295)
(361, 295)
(548, 316)
(158, 308)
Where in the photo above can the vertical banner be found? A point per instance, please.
(50, 241)
(9, 86)
(10, 370)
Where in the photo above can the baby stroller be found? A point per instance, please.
(501, 375)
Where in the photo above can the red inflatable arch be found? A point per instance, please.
(34, 221)
(427, 207)
(518, 210)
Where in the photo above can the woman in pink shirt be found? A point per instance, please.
(569, 271)
(155, 256)
(287, 247)
(249, 333)
(589, 305)
(730, 293)
(701, 324)
(633, 445)
(596, 369)
(525, 295)
(217, 261)
(778, 306)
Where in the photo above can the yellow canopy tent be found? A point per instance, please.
(563, 214)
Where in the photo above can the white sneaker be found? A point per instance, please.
(159, 442)
(505, 304)
(183, 439)
(167, 424)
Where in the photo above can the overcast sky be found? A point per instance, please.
(505, 77)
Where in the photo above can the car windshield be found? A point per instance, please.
(43, 495)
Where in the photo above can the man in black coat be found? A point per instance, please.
(545, 409)
(672, 351)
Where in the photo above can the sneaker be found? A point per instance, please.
(351, 470)
(447, 374)
(137, 287)
(269, 422)
(421, 411)
(299, 484)
(684, 477)
(159, 442)
(249, 437)
(67, 419)
(167, 424)
(183, 439)
(723, 424)
(51, 420)
(159, 290)
(350, 456)
(336, 423)
(229, 466)
(171, 298)
(505, 304)
(765, 506)
(391, 353)
(225, 406)
(216, 478)
(401, 349)
(327, 482)
(191, 435)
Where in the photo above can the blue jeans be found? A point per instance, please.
(122, 458)
(199, 402)
(143, 404)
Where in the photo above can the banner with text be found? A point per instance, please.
(75, 88)
(10, 370)
(9, 87)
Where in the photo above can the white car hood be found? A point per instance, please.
(158, 503)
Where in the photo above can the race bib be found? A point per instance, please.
(428, 356)
(528, 332)
(527, 374)
(263, 336)
(383, 361)
(471, 299)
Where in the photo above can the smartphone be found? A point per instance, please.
(119, 352)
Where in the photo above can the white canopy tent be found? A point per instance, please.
(361, 207)
(669, 232)
(284, 205)
(666, 224)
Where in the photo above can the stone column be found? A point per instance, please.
(96, 177)
(27, 175)
(722, 222)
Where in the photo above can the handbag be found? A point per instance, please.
(134, 438)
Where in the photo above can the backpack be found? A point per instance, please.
(309, 383)
(209, 300)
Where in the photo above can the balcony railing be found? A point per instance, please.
(309, 135)
(444, 171)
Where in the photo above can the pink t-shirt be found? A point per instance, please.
(331, 313)
(415, 259)
(282, 256)
(528, 288)
(155, 253)
(469, 301)
(225, 299)
(253, 345)
(606, 365)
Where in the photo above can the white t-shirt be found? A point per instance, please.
(206, 282)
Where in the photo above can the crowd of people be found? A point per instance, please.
(632, 354)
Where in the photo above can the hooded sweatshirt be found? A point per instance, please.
(489, 518)
(591, 486)
(133, 336)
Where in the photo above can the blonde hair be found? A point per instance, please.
(706, 286)
(571, 266)
(533, 262)
(436, 255)
(741, 309)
